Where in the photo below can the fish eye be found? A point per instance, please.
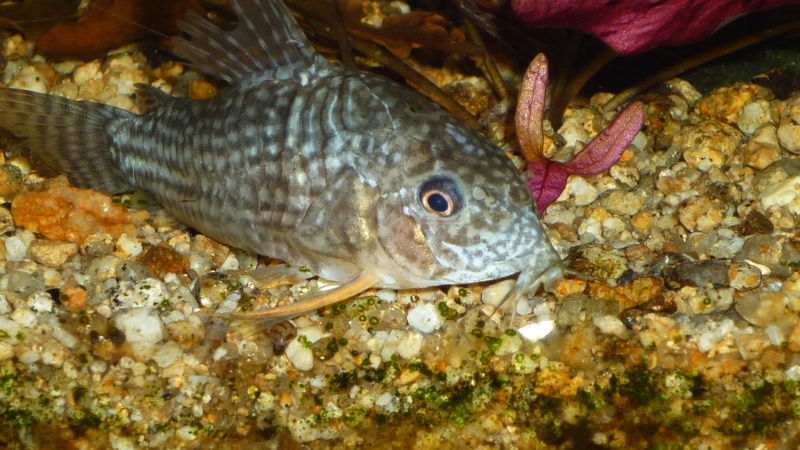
(440, 196)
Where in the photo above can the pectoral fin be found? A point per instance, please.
(279, 274)
(311, 301)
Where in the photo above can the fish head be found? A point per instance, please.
(458, 211)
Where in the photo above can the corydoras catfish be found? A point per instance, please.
(362, 181)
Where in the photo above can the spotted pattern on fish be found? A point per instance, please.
(303, 160)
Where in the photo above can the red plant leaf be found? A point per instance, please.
(633, 26)
(530, 109)
(606, 148)
(547, 181)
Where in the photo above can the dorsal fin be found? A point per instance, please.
(266, 44)
(149, 98)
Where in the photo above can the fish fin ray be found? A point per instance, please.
(311, 301)
(66, 137)
(279, 274)
(266, 44)
(149, 98)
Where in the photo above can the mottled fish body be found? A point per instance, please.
(360, 180)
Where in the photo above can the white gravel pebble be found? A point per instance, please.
(789, 128)
(8, 329)
(509, 345)
(98, 367)
(24, 317)
(6, 350)
(775, 335)
(139, 326)
(299, 350)
(29, 357)
(231, 263)
(384, 399)
(167, 354)
(754, 115)
(65, 338)
(793, 373)
(611, 325)
(220, 353)
(16, 249)
(187, 433)
(410, 345)
(782, 194)
(41, 302)
(425, 318)
(580, 189)
(148, 292)
(53, 354)
(386, 295)
(538, 330)
(5, 307)
(128, 247)
(712, 333)
(496, 292)
(300, 355)
(391, 344)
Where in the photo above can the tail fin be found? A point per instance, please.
(66, 137)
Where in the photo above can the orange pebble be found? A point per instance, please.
(76, 297)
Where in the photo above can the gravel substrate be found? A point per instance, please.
(682, 332)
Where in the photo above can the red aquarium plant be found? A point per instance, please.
(549, 178)
(633, 26)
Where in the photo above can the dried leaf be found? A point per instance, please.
(109, 24)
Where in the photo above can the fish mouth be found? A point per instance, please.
(529, 281)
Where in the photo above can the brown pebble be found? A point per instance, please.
(565, 232)
(643, 221)
(637, 292)
(756, 223)
(794, 338)
(600, 261)
(726, 103)
(161, 260)
(577, 348)
(567, 286)
(772, 359)
(285, 399)
(760, 155)
(280, 335)
(637, 252)
(11, 180)
(186, 333)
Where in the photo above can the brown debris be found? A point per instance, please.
(10, 180)
(726, 103)
(161, 260)
(109, 24)
(60, 212)
(637, 292)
